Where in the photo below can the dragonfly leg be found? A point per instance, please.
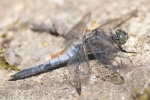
(121, 49)
(78, 90)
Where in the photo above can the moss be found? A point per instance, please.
(4, 64)
(141, 96)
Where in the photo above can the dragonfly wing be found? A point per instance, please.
(108, 54)
(105, 74)
(114, 23)
(78, 30)
(78, 68)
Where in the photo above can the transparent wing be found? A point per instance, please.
(114, 23)
(79, 69)
(108, 54)
(78, 30)
(105, 74)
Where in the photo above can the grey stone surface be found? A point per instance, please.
(52, 85)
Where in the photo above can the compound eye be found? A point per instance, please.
(122, 37)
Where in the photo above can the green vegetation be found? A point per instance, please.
(4, 64)
(141, 96)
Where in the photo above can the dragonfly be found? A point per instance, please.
(100, 45)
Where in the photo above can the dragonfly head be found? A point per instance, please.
(121, 37)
